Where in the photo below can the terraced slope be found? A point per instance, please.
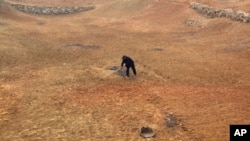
(60, 77)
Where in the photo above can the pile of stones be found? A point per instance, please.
(51, 10)
(211, 12)
(194, 22)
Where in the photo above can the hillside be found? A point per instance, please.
(60, 77)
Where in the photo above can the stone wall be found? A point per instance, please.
(43, 10)
(211, 12)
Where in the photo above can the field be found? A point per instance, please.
(60, 77)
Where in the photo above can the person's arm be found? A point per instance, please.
(122, 62)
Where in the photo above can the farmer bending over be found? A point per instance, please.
(128, 63)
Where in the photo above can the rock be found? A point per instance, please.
(50, 10)
(211, 12)
(147, 132)
(194, 22)
(171, 121)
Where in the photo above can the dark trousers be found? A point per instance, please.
(128, 68)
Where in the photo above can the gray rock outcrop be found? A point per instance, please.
(211, 12)
(44, 10)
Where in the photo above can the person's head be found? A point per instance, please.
(124, 57)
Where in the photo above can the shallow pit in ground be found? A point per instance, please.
(117, 70)
(83, 46)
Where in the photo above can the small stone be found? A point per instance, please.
(147, 132)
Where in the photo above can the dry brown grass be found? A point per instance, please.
(50, 90)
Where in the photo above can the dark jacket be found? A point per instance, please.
(127, 61)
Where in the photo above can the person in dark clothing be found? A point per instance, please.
(129, 63)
